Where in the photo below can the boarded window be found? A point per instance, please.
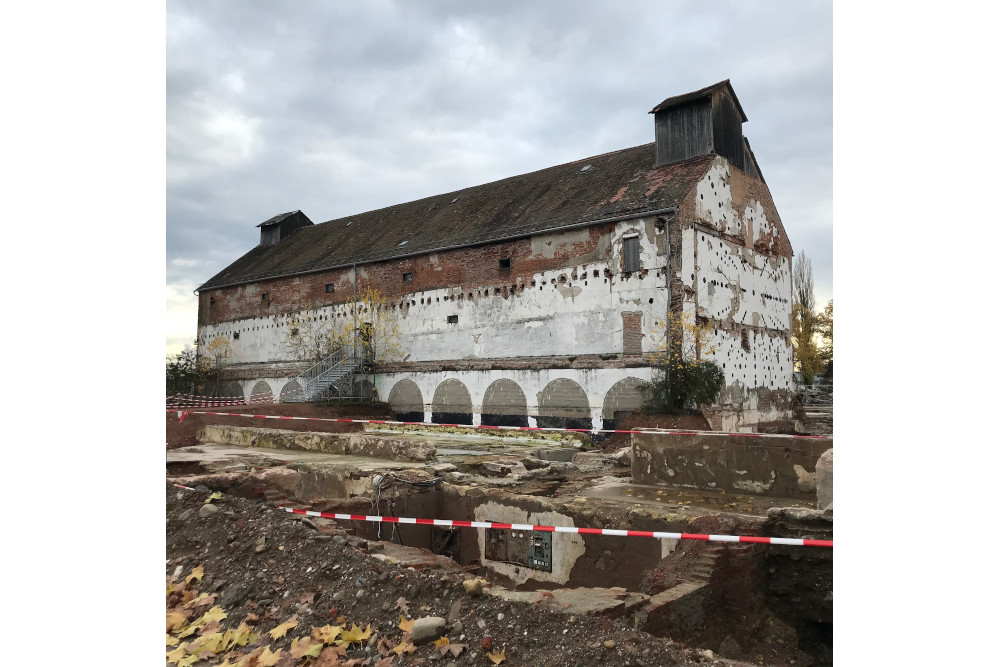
(632, 333)
(632, 254)
(407, 277)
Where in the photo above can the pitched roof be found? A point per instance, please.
(613, 184)
(723, 87)
(276, 219)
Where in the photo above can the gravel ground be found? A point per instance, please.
(265, 566)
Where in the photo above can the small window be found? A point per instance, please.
(211, 303)
(264, 296)
(453, 319)
(632, 254)
(329, 288)
(236, 335)
(407, 277)
(505, 263)
(295, 332)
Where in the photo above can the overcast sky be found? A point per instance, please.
(340, 108)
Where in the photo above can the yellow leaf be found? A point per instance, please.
(214, 642)
(406, 625)
(175, 620)
(441, 642)
(280, 631)
(268, 659)
(172, 641)
(214, 496)
(304, 646)
(496, 657)
(327, 634)
(403, 647)
(177, 653)
(355, 635)
(187, 661)
(196, 573)
(243, 635)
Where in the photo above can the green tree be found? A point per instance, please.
(183, 375)
(682, 380)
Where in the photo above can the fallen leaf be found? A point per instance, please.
(331, 657)
(496, 657)
(202, 600)
(187, 661)
(305, 647)
(327, 634)
(268, 659)
(175, 620)
(280, 631)
(172, 641)
(404, 647)
(384, 646)
(244, 635)
(443, 641)
(252, 619)
(385, 662)
(403, 605)
(214, 496)
(307, 598)
(214, 642)
(196, 573)
(354, 636)
(405, 624)
(210, 627)
(454, 649)
(177, 653)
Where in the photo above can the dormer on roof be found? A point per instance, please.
(703, 122)
(282, 226)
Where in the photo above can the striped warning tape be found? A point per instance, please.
(752, 539)
(183, 413)
(789, 541)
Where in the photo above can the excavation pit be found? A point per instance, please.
(730, 597)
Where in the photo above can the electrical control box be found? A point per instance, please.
(524, 547)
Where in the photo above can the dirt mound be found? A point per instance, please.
(264, 566)
(185, 433)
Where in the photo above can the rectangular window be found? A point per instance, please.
(407, 277)
(505, 263)
(632, 254)
(211, 303)
(329, 288)
(453, 319)
(236, 335)
(263, 296)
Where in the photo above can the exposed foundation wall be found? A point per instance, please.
(761, 464)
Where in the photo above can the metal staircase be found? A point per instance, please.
(333, 375)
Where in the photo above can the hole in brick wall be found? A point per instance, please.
(329, 288)
(407, 277)
(236, 335)
(504, 263)
(264, 296)
(597, 274)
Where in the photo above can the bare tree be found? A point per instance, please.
(802, 283)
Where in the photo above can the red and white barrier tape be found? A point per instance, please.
(752, 539)
(183, 413)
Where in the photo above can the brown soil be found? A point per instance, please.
(641, 420)
(185, 433)
(319, 578)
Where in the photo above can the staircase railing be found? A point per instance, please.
(317, 379)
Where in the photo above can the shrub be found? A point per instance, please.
(680, 388)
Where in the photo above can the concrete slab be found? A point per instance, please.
(230, 456)
(573, 601)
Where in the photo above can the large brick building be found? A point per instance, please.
(531, 300)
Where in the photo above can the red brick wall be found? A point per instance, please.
(470, 268)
